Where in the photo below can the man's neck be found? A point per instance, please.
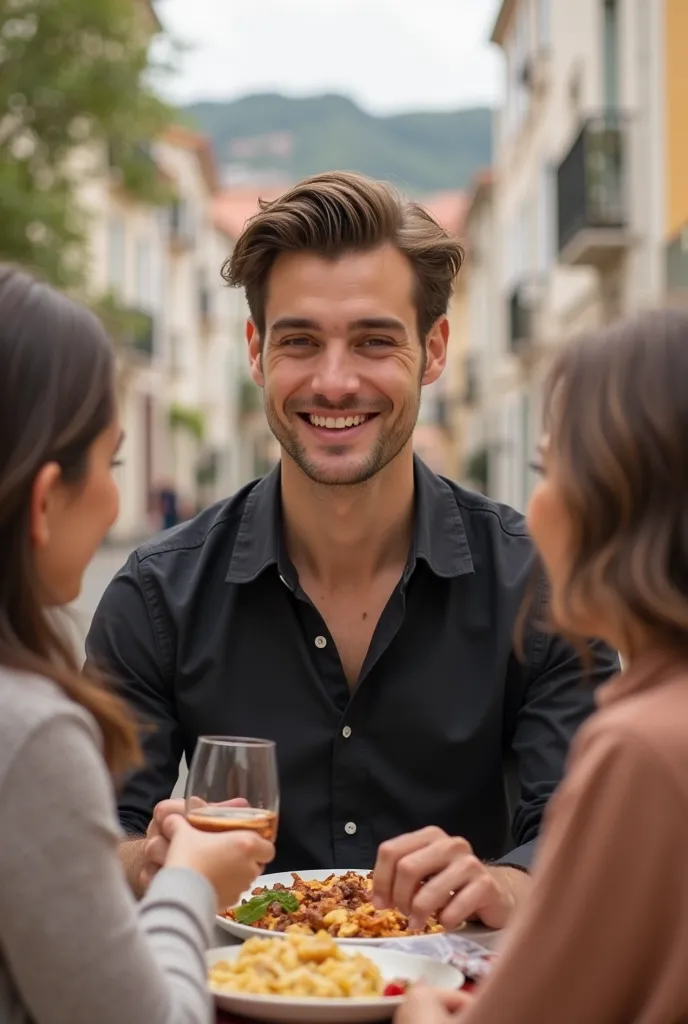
(347, 535)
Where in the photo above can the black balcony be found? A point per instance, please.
(524, 303)
(205, 304)
(471, 392)
(676, 266)
(592, 194)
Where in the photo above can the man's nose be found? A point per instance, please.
(335, 376)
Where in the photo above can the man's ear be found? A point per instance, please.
(436, 343)
(255, 352)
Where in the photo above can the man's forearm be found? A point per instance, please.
(515, 884)
(131, 855)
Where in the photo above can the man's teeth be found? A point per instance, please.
(337, 423)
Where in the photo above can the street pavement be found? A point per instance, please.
(98, 575)
(101, 570)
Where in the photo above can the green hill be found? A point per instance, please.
(422, 152)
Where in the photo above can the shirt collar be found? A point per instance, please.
(439, 535)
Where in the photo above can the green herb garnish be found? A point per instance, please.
(253, 910)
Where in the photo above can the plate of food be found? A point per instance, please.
(307, 902)
(311, 978)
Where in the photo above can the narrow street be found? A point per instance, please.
(98, 575)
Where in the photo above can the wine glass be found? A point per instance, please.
(233, 784)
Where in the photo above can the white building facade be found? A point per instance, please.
(578, 200)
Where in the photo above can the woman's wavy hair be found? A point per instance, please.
(616, 421)
(57, 394)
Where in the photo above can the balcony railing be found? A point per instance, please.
(472, 379)
(520, 319)
(676, 257)
(592, 193)
(205, 304)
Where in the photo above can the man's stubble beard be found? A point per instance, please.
(384, 450)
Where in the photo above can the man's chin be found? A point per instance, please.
(338, 469)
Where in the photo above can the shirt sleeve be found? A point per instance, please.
(599, 927)
(70, 931)
(130, 642)
(549, 697)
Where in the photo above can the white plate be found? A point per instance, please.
(247, 931)
(286, 1010)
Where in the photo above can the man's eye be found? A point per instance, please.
(298, 342)
(377, 342)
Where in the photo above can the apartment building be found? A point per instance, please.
(204, 329)
(676, 151)
(434, 437)
(260, 451)
(179, 334)
(127, 250)
(579, 198)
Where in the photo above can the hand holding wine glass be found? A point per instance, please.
(233, 784)
(232, 802)
(230, 861)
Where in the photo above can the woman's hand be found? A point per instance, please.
(156, 844)
(231, 861)
(425, 1005)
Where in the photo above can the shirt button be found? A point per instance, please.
(320, 642)
(346, 732)
(350, 828)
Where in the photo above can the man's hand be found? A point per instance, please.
(428, 872)
(156, 845)
(431, 1006)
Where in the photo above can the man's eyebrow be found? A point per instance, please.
(377, 323)
(366, 323)
(294, 323)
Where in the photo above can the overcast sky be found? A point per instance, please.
(386, 54)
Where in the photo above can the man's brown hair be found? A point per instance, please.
(341, 212)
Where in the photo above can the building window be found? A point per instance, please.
(546, 218)
(544, 27)
(610, 54)
(518, 51)
(116, 254)
(181, 220)
(526, 449)
(144, 274)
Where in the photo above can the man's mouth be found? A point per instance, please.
(337, 423)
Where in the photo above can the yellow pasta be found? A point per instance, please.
(298, 966)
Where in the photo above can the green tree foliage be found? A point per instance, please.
(421, 152)
(74, 96)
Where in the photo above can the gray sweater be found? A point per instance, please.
(75, 948)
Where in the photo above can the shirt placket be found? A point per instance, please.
(352, 834)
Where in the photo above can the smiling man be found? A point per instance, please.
(352, 605)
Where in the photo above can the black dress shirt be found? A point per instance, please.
(207, 631)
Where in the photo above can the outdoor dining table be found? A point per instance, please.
(486, 937)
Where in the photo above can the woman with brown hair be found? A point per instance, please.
(603, 938)
(74, 948)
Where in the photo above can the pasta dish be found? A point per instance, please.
(339, 905)
(300, 966)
